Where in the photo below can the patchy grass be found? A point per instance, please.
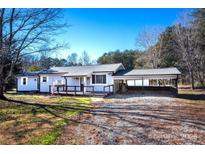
(192, 92)
(49, 137)
(37, 124)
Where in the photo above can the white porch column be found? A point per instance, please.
(85, 83)
(142, 81)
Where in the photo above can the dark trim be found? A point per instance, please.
(74, 76)
(103, 71)
(26, 76)
(52, 73)
(31, 91)
(39, 83)
(17, 84)
(143, 75)
(66, 82)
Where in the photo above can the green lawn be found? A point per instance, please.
(39, 123)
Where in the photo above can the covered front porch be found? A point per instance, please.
(80, 85)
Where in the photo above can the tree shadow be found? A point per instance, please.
(192, 96)
(140, 116)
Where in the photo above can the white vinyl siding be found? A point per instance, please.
(51, 80)
(27, 83)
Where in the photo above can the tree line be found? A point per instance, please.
(181, 45)
(33, 63)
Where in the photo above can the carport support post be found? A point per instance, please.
(84, 85)
(66, 88)
(176, 85)
(142, 83)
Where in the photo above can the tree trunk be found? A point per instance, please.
(2, 88)
(191, 79)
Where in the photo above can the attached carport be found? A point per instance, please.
(147, 79)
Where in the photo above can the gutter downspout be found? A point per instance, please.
(38, 83)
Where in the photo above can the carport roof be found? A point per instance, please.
(149, 72)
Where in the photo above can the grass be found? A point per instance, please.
(192, 92)
(33, 124)
(50, 137)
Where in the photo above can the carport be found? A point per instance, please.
(147, 79)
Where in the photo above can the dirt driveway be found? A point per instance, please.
(142, 119)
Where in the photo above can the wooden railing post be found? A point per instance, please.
(75, 89)
(58, 89)
(93, 90)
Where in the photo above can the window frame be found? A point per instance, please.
(95, 79)
(42, 79)
(22, 81)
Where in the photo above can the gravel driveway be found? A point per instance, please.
(138, 119)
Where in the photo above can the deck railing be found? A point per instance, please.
(109, 87)
(68, 88)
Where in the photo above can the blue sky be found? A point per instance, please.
(101, 30)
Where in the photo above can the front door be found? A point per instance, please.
(81, 84)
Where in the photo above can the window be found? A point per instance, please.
(24, 81)
(98, 79)
(44, 79)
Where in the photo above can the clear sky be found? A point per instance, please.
(101, 30)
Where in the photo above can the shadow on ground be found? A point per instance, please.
(129, 119)
(192, 96)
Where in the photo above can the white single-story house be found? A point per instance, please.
(93, 78)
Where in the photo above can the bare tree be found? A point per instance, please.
(25, 31)
(85, 59)
(147, 40)
(188, 45)
(72, 59)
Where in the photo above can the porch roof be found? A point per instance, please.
(76, 73)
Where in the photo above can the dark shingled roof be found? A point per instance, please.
(28, 74)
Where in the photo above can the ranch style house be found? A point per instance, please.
(97, 79)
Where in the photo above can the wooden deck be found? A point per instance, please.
(79, 90)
